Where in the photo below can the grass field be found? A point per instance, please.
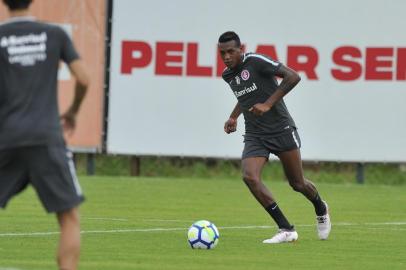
(141, 223)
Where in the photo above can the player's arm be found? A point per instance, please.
(290, 79)
(231, 124)
(82, 83)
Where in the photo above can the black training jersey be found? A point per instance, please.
(30, 52)
(252, 82)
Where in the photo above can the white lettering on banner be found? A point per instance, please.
(246, 90)
(25, 50)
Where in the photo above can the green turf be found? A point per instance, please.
(363, 237)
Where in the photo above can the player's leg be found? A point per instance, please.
(54, 178)
(252, 168)
(292, 165)
(69, 242)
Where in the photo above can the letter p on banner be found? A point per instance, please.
(128, 59)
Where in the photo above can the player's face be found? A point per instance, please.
(230, 53)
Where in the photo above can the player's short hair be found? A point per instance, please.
(228, 36)
(17, 4)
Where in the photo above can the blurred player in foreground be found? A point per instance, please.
(32, 147)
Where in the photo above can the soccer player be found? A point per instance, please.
(32, 147)
(269, 128)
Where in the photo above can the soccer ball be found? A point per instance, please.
(203, 235)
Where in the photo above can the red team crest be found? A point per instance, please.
(245, 75)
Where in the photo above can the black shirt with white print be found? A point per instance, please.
(30, 53)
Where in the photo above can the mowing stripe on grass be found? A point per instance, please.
(168, 220)
(100, 218)
(399, 223)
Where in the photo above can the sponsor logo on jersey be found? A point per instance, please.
(25, 50)
(245, 74)
(237, 80)
(246, 90)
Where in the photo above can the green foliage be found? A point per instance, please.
(323, 172)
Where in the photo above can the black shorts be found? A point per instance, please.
(264, 146)
(49, 169)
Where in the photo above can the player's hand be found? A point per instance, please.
(259, 109)
(68, 121)
(230, 125)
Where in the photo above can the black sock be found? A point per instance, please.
(278, 216)
(319, 206)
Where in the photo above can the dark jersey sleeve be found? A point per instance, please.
(266, 66)
(226, 74)
(68, 51)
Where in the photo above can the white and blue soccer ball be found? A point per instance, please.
(203, 235)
